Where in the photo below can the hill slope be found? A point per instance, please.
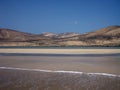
(109, 36)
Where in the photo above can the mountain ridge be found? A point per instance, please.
(108, 36)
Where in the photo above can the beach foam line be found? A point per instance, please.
(59, 71)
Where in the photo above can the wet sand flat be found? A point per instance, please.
(48, 71)
(96, 64)
(33, 80)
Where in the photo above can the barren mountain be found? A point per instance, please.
(109, 32)
(109, 36)
(67, 35)
(10, 37)
(47, 34)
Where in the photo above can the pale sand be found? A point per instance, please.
(62, 51)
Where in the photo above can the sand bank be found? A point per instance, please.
(62, 51)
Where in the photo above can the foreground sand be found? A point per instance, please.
(62, 51)
(33, 80)
(14, 79)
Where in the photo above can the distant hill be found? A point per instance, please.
(109, 36)
(111, 31)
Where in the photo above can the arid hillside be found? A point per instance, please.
(109, 36)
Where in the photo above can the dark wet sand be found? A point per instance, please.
(33, 80)
(96, 64)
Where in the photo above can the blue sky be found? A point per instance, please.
(37, 16)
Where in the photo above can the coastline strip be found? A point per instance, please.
(58, 71)
(45, 54)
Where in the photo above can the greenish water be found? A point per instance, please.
(60, 47)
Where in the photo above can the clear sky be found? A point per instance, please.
(37, 16)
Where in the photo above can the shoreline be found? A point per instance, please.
(58, 71)
(61, 51)
(59, 55)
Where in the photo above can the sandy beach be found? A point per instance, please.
(96, 64)
(33, 80)
(62, 51)
(54, 72)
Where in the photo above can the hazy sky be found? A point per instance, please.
(36, 16)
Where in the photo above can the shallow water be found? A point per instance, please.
(60, 47)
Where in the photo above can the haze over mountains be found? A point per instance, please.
(109, 36)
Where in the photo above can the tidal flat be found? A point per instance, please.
(88, 64)
(60, 72)
(34, 80)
